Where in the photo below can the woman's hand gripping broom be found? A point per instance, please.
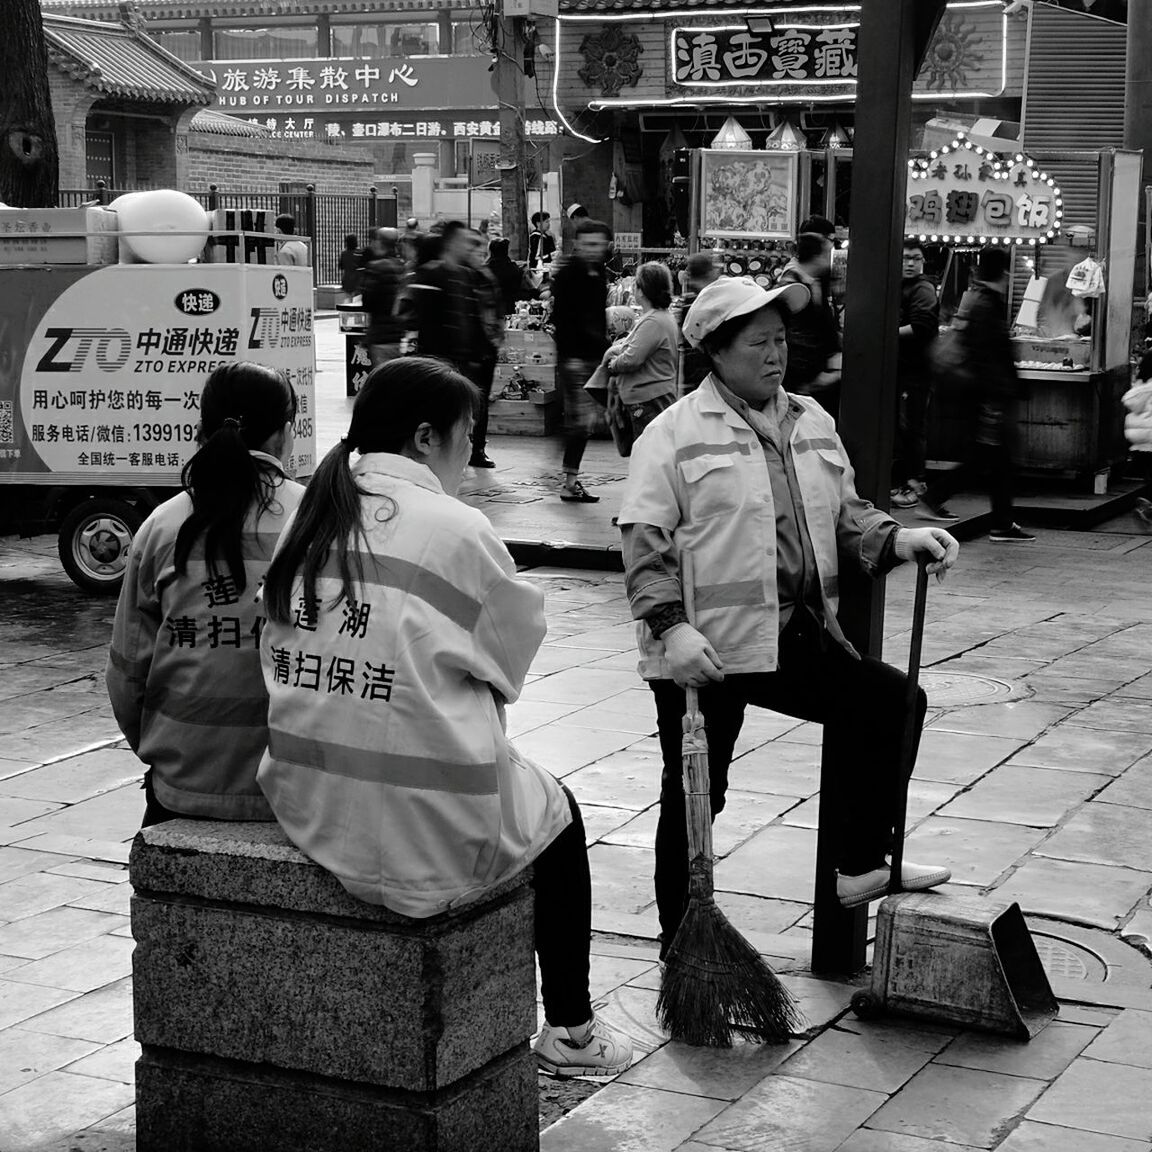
(715, 983)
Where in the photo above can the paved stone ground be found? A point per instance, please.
(1042, 795)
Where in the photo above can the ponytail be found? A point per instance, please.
(329, 514)
(394, 402)
(242, 406)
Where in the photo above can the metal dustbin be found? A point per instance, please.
(955, 959)
(357, 364)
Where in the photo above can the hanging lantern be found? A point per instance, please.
(785, 138)
(732, 137)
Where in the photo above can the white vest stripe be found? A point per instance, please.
(412, 579)
(379, 767)
(741, 594)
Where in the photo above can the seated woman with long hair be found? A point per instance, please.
(183, 670)
(397, 632)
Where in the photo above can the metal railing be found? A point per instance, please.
(325, 217)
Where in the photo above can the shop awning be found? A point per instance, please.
(117, 60)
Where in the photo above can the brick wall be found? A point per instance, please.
(256, 164)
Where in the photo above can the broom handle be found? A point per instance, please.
(908, 748)
(698, 816)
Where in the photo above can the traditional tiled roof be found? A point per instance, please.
(116, 60)
(219, 124)
(195, 9)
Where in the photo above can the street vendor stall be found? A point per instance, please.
(524, 399)
(1070, 218)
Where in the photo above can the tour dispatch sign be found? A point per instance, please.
(966, 194)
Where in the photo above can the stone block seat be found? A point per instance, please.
(276, 1011)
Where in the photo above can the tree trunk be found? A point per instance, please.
(29, 162)
(508, 81)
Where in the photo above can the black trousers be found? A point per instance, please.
(861, 704)
(562, 883)
(481, 375)
(992, 464)
(911, 448)
(579, 409)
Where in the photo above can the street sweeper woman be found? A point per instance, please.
(755, 485)
(183, 669)
(397, 632)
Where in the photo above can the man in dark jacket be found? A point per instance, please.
(451, 305)
(982, 332)
(702, 268)
(919, 327)
(380, 281)
(579, 301)
(813, 334)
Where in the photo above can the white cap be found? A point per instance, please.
(572, 209)
(732, 296)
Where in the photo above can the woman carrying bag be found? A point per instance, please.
(637, 376)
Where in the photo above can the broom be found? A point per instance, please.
(715, 983)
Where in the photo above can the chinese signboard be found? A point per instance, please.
(732, 55)
(286, 87)
(115, 358)
(358, 127)
(965, 193)
(748, 195)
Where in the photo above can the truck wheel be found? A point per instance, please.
(93, 542)
(867, 1005)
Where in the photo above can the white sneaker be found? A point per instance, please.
(593, 1049)
(853, 890)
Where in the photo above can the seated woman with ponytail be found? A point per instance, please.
(183, 671)
(397, 631)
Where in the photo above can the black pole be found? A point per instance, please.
(892, 37)
(1138, 108)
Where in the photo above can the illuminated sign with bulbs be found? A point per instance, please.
(966, 194)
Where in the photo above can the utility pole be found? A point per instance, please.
(508, 82)
(29, 162)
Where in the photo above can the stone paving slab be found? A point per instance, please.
(964, 1105)
(1113, 1099)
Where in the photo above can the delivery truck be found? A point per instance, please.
(101, 368)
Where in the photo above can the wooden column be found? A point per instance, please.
(892, 38)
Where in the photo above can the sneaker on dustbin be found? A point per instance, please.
(592, 1049)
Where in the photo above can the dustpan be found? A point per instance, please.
(964, 960)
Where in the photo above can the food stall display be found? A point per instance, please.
(524, 400)
(1073, 267)
(104, 355)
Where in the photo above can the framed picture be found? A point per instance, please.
(748, 195)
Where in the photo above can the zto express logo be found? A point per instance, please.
(280, 286)
(197, 302)
(70, 348)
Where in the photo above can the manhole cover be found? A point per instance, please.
(955, 689)
(1062, 958)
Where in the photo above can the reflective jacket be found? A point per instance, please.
(699, 473)
(183, 670)
(387, 761)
